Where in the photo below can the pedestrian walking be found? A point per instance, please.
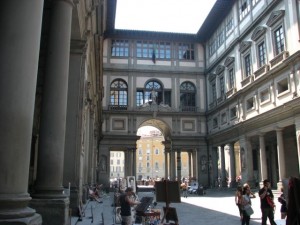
(283, 208)
(238, 200)
(184, 188)
(246, 206)
(266, 203)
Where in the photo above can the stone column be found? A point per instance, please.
(227, 164)
(134, 162)
(74, 123)
(297, 130)
(126, 160)
(263, 159)
(246, 159)
(195, 171)
(20, 23)
(167, 145)
(215, 170)
(166, 164)
(281, 158)
(172, 165)
(86, 135)
(232, 173)
(190, 164)
(250, 176)
(178, 165)
(223, 169)
(91, 156)
(49, 197)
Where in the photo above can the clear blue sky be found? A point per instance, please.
(180, 16)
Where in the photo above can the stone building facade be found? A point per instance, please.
(73, 89)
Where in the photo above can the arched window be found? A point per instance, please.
(153, 91)
(118, 94)
(188, 96)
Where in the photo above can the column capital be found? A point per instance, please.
(71, 2)
(278, 129)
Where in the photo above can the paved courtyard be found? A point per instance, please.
(216, 207)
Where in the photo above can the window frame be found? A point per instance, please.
(188, 93)
(244, 8)
(120, 91)
(163, 96)
(187, 49)
(282, 41)
(287, 90)
(119, 46)
(247, 65)
(264, 92)
(261, 62)
(250, 101)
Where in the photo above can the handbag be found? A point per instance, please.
(270, 202)
(249, 211)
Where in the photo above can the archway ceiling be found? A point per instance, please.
(162, 126)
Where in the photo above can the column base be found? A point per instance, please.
(74, 202)
(35, 219)
(53, 211)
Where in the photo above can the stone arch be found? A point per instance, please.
(163, 126)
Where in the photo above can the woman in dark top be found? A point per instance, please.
(283, 208)
(126, 203)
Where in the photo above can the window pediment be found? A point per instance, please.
(228, 61)
(219, 69)
(244, 46)
(274, 17)
(258, 32)
(212, 77)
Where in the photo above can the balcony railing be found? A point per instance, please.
(279, 58)
(188, 108)
(261, 71)
(247, 80)
(117, 107)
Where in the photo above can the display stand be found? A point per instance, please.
(168, 192)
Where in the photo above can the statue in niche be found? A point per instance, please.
(103, 163)
(203, 163)
(243, 159)
(153, 96)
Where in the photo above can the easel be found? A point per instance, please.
(168, 195)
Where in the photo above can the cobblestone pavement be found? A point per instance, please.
(216, 207)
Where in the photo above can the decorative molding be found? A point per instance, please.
(212, 77)
(274, 17)
(118, 124)
(219, 69)
(228, 61)
(279, 58)
(246, 81)
(244, 46)
(258, 32)
(262, 70)
(188, 125)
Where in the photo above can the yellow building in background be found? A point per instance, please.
(150, 158)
